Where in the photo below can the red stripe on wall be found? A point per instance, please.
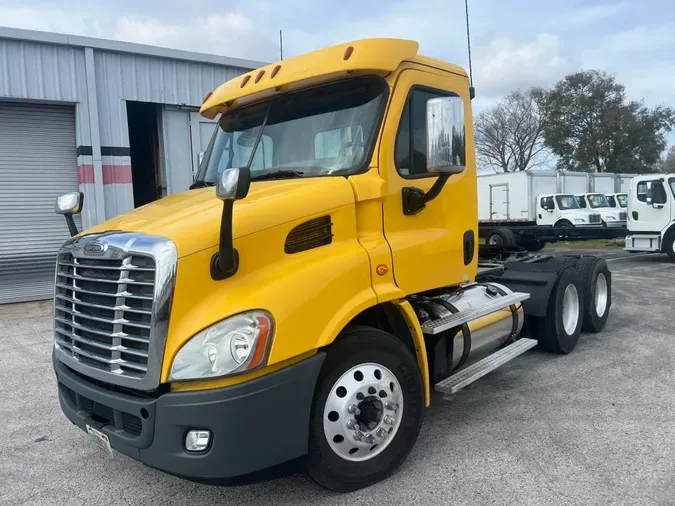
(85, 173)
(116, 174)
(120, 174)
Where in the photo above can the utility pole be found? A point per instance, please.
(281, 45)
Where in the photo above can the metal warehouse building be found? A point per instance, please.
(117, 121)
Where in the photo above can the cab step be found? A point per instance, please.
(433, 327)
(456, 382)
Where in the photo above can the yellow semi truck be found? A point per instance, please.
(314, 286)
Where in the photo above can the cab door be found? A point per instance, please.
(649, 206)
(437, 246)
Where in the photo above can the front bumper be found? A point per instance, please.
(254, 425)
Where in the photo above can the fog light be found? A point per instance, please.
(197, 440)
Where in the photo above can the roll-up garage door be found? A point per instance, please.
(37, 163)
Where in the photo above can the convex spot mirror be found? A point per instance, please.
(69, 203)
(233, 184)
(446, 135)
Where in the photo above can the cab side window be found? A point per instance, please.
(547, 203)
(582, 202)
(641, 191)
(410, 155)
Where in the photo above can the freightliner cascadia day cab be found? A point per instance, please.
(651, 214)
(316, 284)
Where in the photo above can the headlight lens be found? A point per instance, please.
(234, 345)
(579, 220)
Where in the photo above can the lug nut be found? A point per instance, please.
(381, 432)
(392, 406)
(352, 425)
(389, 420)
(368, 438)
(353, 409)
(358, 435)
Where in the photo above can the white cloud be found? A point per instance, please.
(230, 34)
(505, 65)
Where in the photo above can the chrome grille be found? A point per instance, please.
(594, 218)
(112, 301)
(103, 311)
(623, 216)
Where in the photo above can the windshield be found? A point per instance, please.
(597, 200)
(566, 202)
(317, 132)
(623, 198)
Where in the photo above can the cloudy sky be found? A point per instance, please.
(516, 43)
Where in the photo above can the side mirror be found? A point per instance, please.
(649, 201)
(67, 205)
(231, 185)
(446, 135)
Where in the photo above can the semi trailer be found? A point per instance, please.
(651, 214)
(314, 287)
(527, 208)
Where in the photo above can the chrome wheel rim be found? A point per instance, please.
(363, 412)
(601, 294)
(570, 309)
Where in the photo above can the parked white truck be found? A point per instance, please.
(651, 211)
(618, 200)
(599, 203)
(528, 208)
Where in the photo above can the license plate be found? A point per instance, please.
(101, 440)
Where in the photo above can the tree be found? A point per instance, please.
(510, 134)
(591, 127)
(668, 163)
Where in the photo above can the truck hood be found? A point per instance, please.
(575, 213)
(192, 219)
(606, 211)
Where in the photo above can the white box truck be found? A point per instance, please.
(531, 208)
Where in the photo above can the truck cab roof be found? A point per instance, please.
(376, 56)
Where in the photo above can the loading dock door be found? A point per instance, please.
(37, 163)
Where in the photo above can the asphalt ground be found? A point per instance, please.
(594, 427)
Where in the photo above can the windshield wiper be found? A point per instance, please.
(201, 184)
(278, 174)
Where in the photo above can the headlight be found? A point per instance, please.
(610, 218)
(579, 220)
(234, 345)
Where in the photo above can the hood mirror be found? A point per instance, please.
(231, 185)
(67, 205)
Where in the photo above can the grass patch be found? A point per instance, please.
(588, 244)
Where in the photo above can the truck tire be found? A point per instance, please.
(564, 224)
(669, 245)
(566, 261)
(369, 387)
(596, 284)
(533, 245)
(500, 237)
(559, 330)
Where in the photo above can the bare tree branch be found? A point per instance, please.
(510, 135)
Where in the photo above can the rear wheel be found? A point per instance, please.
(367, 410)
(559, 330)
(500, 237)
(596, 283)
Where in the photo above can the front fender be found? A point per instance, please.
(312, 295)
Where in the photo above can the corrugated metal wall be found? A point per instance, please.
(41, 71)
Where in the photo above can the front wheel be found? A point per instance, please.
(669, 245)
(367, 410)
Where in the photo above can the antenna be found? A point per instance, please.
(281, 45)
(472, 90)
